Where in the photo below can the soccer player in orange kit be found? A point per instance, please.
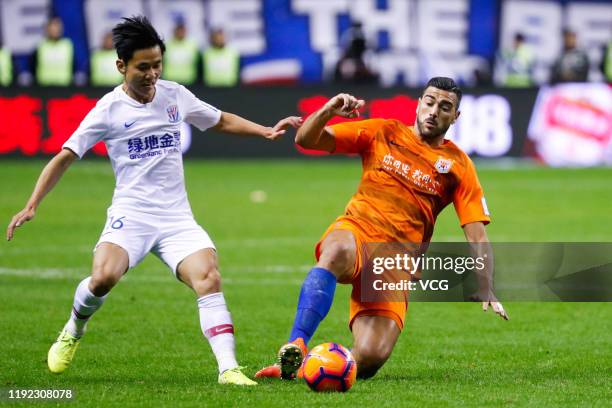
(410, 174)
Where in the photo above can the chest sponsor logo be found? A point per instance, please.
(173, 114)
(417, 176)
(443, 165)
(154, 145)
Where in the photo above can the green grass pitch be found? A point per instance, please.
(145, 348)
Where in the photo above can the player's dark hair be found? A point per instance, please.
(446, 84)
(135, 33)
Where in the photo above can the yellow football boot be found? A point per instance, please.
(236, 377)
(62, 352)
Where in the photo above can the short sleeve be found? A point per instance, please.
(355, 137)
(197, 112)
(92, 129)
(468, 198)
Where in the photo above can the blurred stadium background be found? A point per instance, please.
(382, 50)
(531, 134)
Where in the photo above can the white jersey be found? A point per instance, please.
(143, 143)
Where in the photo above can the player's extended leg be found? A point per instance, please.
(374, 338)
(336, 263)
(109, 265)
(199, 271)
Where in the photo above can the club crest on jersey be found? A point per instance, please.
(443, 165)
(173, 113)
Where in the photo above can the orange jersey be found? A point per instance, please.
(406, 183)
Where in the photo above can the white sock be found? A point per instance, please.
(217, 326)
(84, 305)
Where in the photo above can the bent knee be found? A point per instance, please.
(206, 281)
(103, 279)
(110, 263)
(338, 257)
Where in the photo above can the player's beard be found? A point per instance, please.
(430, 134)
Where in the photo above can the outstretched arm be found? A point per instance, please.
(314, 135)
(48, 178)
(476, 235)
(234, 124)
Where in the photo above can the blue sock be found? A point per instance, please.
(316, 298)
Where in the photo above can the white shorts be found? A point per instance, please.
(170, 237)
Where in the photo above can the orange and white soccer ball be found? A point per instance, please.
(330, 367)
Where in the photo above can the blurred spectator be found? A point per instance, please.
(54, 56)
(514, 66)
(6, 66)
(103, 64)
(606, 62)
(181, 57)
(352, 67)
(482, 76)
(573, 63)
(221, 63)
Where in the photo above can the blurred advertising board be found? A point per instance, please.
(571, 125)
(494, 123)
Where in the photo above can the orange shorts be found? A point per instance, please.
(392, 310)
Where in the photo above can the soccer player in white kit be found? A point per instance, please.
(139, 121)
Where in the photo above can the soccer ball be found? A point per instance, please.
(330, 367)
